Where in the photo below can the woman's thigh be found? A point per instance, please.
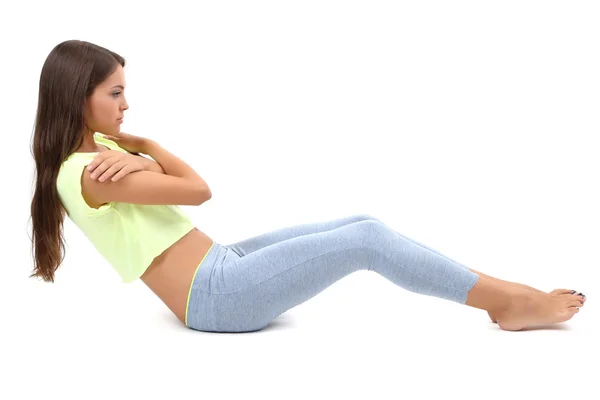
(245, 293)
(252, 244)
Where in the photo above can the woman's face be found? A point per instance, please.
(107, 104)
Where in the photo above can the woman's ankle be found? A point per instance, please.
(502, 280)
(490, 294)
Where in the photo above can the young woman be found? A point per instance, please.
(127, 206)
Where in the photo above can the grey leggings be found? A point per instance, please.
(243, 286)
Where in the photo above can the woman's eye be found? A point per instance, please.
(117, 93)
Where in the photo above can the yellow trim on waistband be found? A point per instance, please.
(192, 284)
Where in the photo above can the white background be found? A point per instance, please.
(469, 126)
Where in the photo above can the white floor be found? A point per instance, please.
(362, 337)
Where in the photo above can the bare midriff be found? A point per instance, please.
(170, 274)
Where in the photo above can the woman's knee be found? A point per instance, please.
(366, 217)
(371, 232)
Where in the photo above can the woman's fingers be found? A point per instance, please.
(124, 171)
(120, 170)
(116, 167)
(113, 169)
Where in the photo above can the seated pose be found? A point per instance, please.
(127, 205)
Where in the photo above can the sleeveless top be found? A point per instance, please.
(129, 236)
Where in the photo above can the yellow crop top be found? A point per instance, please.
(129, 236)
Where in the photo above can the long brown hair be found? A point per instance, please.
(69, 76)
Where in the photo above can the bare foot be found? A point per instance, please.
(520, 285)
(554, 292)
(530, 308)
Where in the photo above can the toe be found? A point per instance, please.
(568, 296)
(574, 303)
(563, 291)
(575, 292)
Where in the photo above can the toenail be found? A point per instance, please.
(573, 291)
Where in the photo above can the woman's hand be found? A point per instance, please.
(114, 163)
(131, 143)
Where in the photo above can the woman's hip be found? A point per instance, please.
(232, 293)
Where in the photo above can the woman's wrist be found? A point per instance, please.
(148, 145)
